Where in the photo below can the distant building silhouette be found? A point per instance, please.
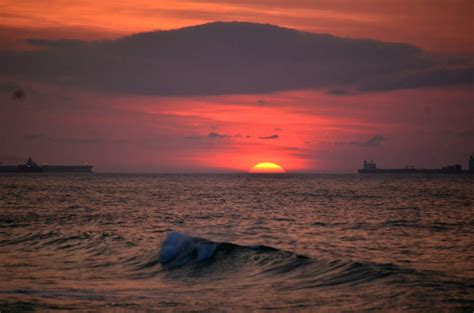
(471, 163)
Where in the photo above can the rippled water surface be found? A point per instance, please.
(236, 243)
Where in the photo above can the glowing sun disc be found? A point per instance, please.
(267, 167)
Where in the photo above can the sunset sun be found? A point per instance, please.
(266, 167)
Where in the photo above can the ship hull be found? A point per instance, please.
(8, 169)
(20, 169)
(47, 169)
(410, 171)
(67, 168)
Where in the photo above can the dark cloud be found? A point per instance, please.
(8, 86)
(60, 43)
(372, 142)
(340, 92)
(16, 91)
(215, 135)
(34, 136)
(62, 140)
(278, 129)
(270, 137)
(466, 133)
(423, 78)
(232, 58)
(74, 140)
(19, 94)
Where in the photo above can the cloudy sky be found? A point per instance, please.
(212, 86)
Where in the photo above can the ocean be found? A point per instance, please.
(236, 243)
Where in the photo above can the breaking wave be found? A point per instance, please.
(182, 254)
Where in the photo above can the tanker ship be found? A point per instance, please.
(371, 168)
(32, 167)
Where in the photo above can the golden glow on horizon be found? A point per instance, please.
(267, 167)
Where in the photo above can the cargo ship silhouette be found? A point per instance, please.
(371, 168)
(32, 167)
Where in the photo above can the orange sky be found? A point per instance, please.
(437, 25)
(316, 131)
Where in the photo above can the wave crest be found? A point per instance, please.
(178, 249)
(255, 262)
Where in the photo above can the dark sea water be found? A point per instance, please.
(236, 243)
